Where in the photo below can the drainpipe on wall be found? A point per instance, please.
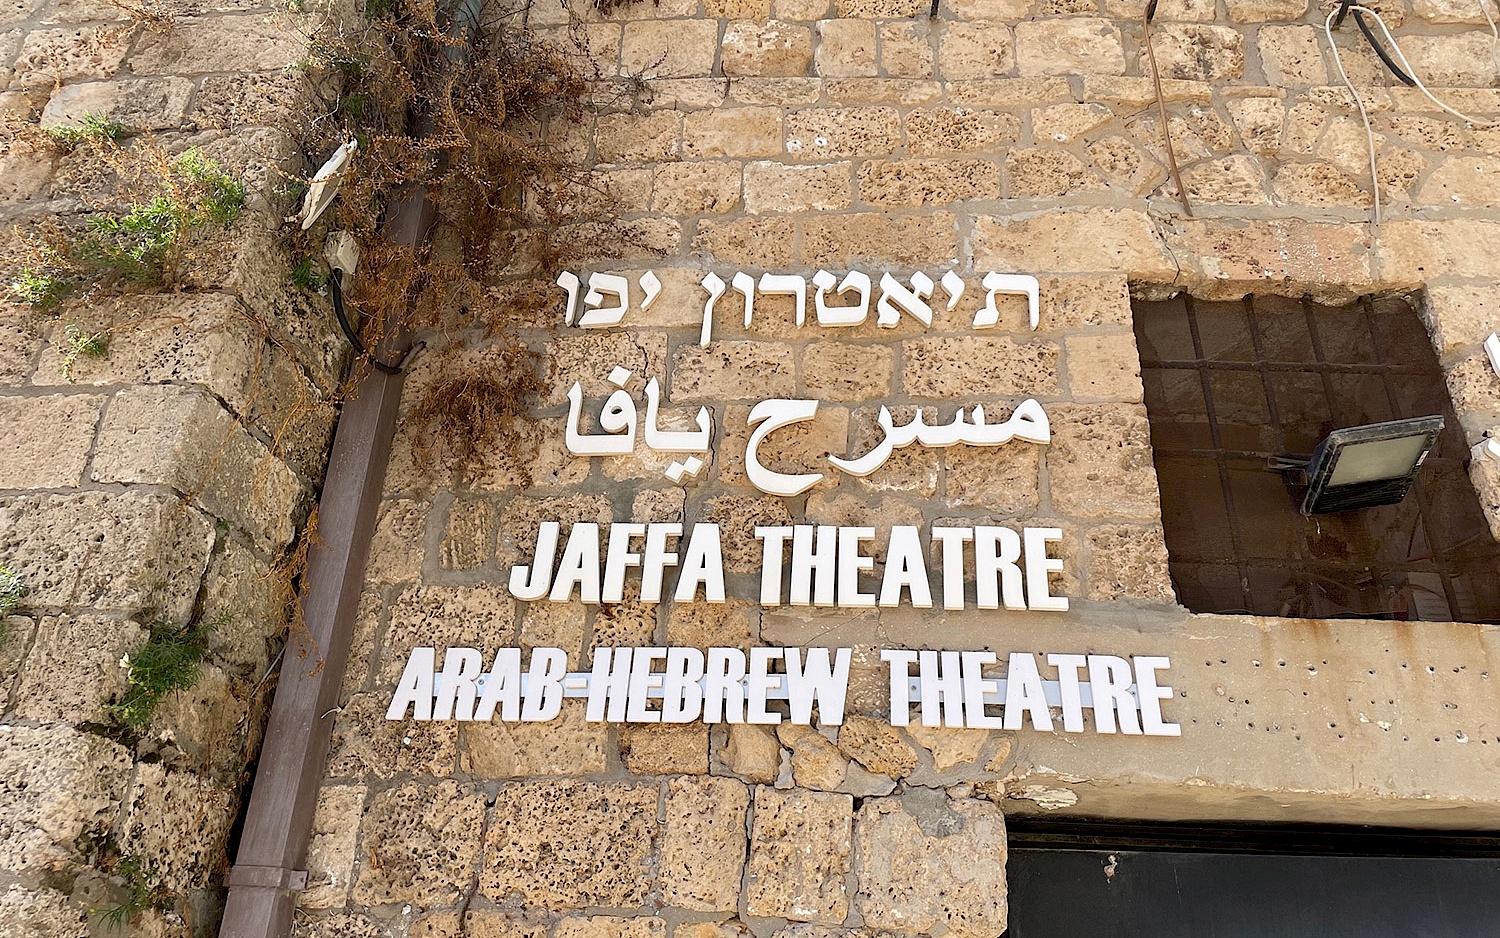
(270, 866)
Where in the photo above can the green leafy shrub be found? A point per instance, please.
(81, 343)
(90, 127)
(40, 287)
(142, 893)
(168, 661)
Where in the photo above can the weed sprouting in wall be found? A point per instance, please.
(89, 127)
(80, 343)
(40, 287)
(141, 891)
(169, 661)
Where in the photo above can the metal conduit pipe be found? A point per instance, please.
(270, 866)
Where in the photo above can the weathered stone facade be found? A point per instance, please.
(163, 482)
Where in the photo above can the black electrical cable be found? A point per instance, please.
(1364, 27)
(336, 288)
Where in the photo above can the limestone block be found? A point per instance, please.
(1103, 368)
(1259, 122)
(621, 624)
(1047, 172)
(241, 589)
(232, 101)
(480, 616)
(183, 438)
(138, 104)
(541, 456)
(1196, 52)
(468, 534)
(927, 182)
(711, 187)
(635, 138)
(1076, 46)
(123, 551)
(843, 508)
(880, 240)
(737, 517)
(1241, 254)
(1466, 181)
(1091, 240)
(20, 340)
(905, 50)
(740, 132)
(1125, 166)
(1265, 11)
(751, 752)
(45, 441)
(1084, 302)
(1291, 56)
(962, 367)
(950, 747)
(181, 822)
(227, 44)
(741, 10)
(913, 470)
(730, 624)
(1003, 480)
(927, 863)
(39, 912)
(664, 749)
(52, 57)
(420, 843)
(770, 48)
(73, 669)
(366, 743)
(799, 856)
(57, 787)
(879, 9)
(877, 746)
(589, 358)
(565, 746)
(1413, 251)
(1459, 317)
(980, 49)
(1099, 462)
(821, 134)
(553, 625)
(1061, 123)
(732, 371)
(669, 48)
(844, 371)
(522, 518)
(704, 844)
(816, 762)
(611, 926)
(570, 845)
(1128, 562)
(481, 924)
(347, 925)
(846, 48)
(950, 130)
(710, 930)
(1317, 183)
(778, 187)
(1476, 398)
(1452, 61)
(331, 854)
(765, 243)
(797, 449)
(396, 548)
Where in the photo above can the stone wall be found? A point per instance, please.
(163, 482)
(786, 136)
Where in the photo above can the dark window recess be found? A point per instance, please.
(1230, 385)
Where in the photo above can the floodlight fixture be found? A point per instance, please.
(1363, 467)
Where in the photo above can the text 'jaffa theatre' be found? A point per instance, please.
(1007, 467)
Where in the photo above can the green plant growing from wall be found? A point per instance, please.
(168, 661)
(141, 893)
(91, 127)
(306, 275)
(12, 592)
(79, 343)
(40, 287)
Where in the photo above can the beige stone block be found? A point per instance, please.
(1466, 181)
(1169, 11)
(877, 746)
(638, 138)
(704, 625)
(480, 616)
(844, 242)
(1254, 11)
(1127, 561)
(589, 357)
(1234, 255)
(53, 57)
(664, 749)
(1413, 251)
(365, 743)
(906, 49)
(45, 441)
(898, 91)
(1103, 368)
(768, 48)
(1084, 302)
(1196, 52)
(109, 551)
(1001, 479)
(567, 745)
(740, 10)
(61, 786)
(927, 182)
(522, 518)
(799, 856)
(1460, 317)
(879, 9)
(751, 752)
(928, 862)
(398, 544)
(26, 172)
(1091, 240)
(849, 510)
(737, 517)
(1291, 56)
(1076, 46)
(816, 762)
(822, 134)
(1471, 384)
(258, 100)
(842, 371)
(779, 187)
(710, 930)
(798, 449)
(420, 843)
(1448, 11)
(704, 844)
(572, 845)
(1259, 122)
(728, 371)
(476, 924)
(766, 243)
(1317, 183)
(183, 438)
(1060, 123)
(957, 130)
(1234, 180)
(950, 747)
(981, 49)
(711, 187)
(138, 104)
(20, 341)
(73, 668)
(612, 926)
(775, 92)
(1124, 165)
(227, 44)
(554, 625)
(953, 368)
(1047, 172)
(846, 48)
(331, 855)
(1454, 61)
(913, 470)
(1099, 462)
(468, 540)
(1007, 10)
(180, 820)
(801, 9)
(669, 48)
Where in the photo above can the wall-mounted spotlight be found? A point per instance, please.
(1362, 467)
